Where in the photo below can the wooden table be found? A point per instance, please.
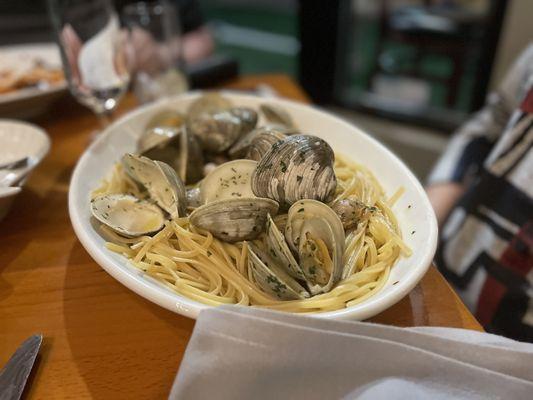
(103, 341)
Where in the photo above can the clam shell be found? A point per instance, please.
(297, 167)
(208, 103)
(127, 215)
(216, 132)
(240, 148)
(160, 180)
(228, 180)
(350, 212)
(280, 251)
(177, 148)
(311, 219)
(234, 220)
(271, 278)
(262, 143)
(247, 116)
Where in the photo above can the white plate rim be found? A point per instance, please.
(190, 308)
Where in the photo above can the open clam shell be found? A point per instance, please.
(160, 180)
(175, 147)
(127, 215)
(297, 167)
(233, 220)
(271, 278)
(316, 235)
(216, 132)
(280, 251)
(229, 180)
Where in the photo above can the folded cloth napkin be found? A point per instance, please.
(249, 353)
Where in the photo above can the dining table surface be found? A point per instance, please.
(101, 340)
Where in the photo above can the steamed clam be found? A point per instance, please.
(297, 167)
(233, 220)
(166, 118)
(240, 148)
(208, 103)
(127, 215)
(262, 143)
(247, 116)
(315, 234)
(351, 212)
(272, 278)
(228, 180)
(231, 212)
(160, 180)
(216, 132)
(175, 147)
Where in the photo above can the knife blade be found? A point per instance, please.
(15, 373)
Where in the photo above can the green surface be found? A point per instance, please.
(364, 36)
(266, 19)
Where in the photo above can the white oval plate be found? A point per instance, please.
(415, 215)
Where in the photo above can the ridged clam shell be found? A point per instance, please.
(233, 220)
(297, 167)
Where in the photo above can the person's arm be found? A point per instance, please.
(472, 143)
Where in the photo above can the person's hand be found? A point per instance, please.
(443, 197)
(149, 56)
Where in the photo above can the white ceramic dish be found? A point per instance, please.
(32, 101)
(414, 212)
(19, 140)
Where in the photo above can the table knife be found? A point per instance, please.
(15, 373)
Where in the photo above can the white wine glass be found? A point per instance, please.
(96, 52)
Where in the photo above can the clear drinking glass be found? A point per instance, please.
(156, 39)
(95, 50)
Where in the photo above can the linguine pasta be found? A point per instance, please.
(193, 263)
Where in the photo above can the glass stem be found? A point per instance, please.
(104, 119)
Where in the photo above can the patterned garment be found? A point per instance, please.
(486, 243)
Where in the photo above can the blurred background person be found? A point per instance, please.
(482, 193)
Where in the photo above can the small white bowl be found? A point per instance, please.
(414, 212)
(19, 140)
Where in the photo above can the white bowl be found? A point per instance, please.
(19, 140)
(415, 215)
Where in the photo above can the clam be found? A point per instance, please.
(315, 234)
(297, 167)
(351, 212)
(240, 148)
(208, 103)
(160, 180)
(127, 215)
(228, 180)
(194, 197)
(280, 251)
(216, 132)
(247, 116)
(271, 278)
(176, 147)
(233, 220)
(277, 115)
(263, 142)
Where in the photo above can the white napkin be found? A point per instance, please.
(246, 353)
